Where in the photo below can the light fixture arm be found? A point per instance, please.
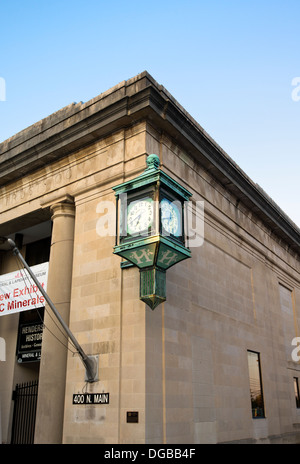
(90, 362)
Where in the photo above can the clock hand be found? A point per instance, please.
(134, 219)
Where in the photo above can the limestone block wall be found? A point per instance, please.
(106, 314)
(239, 292)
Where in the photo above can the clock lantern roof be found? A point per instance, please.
(151, 175)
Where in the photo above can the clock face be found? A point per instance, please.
(170, 217)
(139, 216)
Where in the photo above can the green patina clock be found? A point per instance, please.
(171, 217)
(139, 216)
(150, 228)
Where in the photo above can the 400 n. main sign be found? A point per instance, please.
(91, 398)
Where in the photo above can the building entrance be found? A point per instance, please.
(25, 401)
(28, 353)
(22, 330)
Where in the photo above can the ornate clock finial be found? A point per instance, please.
(153, 162)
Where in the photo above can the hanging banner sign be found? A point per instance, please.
(19, 293)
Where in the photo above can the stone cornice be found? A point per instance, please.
(141, 97)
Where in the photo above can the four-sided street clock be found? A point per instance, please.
(150, 228)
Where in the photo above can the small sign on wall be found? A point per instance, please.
(132, 417)
(29, 342)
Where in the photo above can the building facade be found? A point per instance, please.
(217, 361)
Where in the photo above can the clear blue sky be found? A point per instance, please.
(230, 63)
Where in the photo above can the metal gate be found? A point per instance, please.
(25, 398)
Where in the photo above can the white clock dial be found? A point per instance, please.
(170, 217)
(139, 216)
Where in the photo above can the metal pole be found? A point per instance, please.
(90, 362)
